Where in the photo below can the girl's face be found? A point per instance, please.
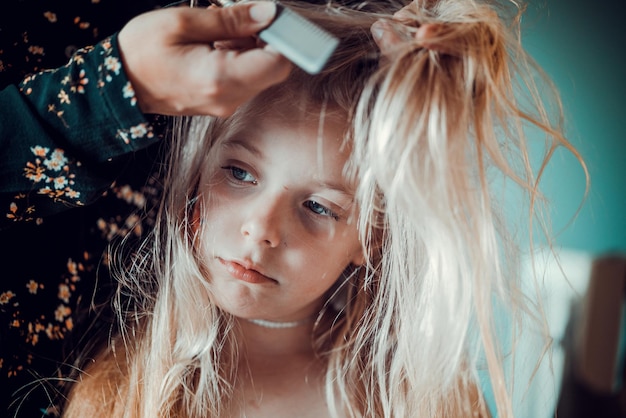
(277, 219)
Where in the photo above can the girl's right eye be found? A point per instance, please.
(240, 174)
(320, 210)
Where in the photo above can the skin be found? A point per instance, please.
(257, 210)
(258, 214)
(278, 208)
(171, 58)
(192, 61)
(388, 37)
(271, 202)
(269, 198)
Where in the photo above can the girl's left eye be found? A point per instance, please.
(318, 209)
(240, 174)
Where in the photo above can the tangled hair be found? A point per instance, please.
(436, 126)
(430, 128)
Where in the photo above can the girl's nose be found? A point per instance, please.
(263, 224)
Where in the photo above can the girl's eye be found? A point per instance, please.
(240, 174)
(318, 209)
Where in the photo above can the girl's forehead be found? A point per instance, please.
(264, 135)
(314, 125)
(296, 112)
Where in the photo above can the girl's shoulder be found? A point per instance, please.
(101, 386)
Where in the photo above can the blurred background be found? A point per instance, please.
(580, 44)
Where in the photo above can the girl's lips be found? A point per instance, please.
(247, 275)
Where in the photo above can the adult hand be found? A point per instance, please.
(170, 60)
(389, 36)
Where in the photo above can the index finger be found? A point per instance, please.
(256, 68)
(218, 24)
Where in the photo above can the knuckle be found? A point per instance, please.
(232, 19)
(215, 86)
(179, 22)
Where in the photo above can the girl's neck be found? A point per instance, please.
(284, 339)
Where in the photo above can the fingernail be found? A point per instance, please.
(263, 11)
(377, 30)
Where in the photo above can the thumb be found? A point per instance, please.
(238, 21)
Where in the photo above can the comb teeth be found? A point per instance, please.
(223, 3)
(299, 40)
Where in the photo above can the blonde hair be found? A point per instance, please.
(435, 127)
(429, 128)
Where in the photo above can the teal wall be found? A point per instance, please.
(582, 46)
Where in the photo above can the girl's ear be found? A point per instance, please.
(196, 216)
(359, 258)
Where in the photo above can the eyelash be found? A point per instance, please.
(325, 211)
(234, 169)
(313, 206)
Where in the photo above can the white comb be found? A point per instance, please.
(298, 39)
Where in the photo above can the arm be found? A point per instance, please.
(64, 134)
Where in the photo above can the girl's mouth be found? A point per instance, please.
(242, 273)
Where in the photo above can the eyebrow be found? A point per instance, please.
(336, 186)
(238, 143)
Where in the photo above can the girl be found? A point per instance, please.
(333, 247)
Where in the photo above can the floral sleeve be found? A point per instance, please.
(65, 134)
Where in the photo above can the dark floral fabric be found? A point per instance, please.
(75, 139)
(78, 164)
